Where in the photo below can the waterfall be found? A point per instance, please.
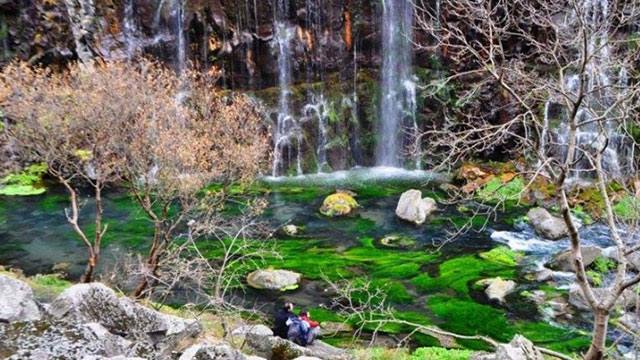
(398, 100)
(287, 133)
(318, 109)
(158, 15)
(617, 156)
(129, 29)
(181, 46)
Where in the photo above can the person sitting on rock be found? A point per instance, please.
(314, 326)
(281, 328)
(298, 331)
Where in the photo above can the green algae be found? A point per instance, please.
(459, 273)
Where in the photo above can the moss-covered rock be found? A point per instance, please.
(339, 204)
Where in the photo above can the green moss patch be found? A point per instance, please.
(459, 273)
(495, 190)
(627, 208)
(502, 255)
(25, 183)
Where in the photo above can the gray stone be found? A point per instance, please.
(206, 351)
(274, 279)
(627, 300)
(16, 301)
(259, 329)
(413, 208)
(563, 261)
(266, 346)
(519, 348)
(96, 303)
(547, 225)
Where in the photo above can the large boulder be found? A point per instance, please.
(96, 303)
(339, 204)
(270, 279)
(413, 208)
(16, 301)
(56, 339)
(546, 225)
(563, 261)
(497, 288)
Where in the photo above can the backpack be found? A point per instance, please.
(298, 331)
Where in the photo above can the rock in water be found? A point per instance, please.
(564, 261)
(274, 279)
(413, 208)
(339, 204)
(546, 225)
(497, 288)
(16, 301)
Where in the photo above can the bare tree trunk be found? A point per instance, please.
(152, 263)
(597, 348)
(87, 277)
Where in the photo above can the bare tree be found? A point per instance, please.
(514, 60)
(170, 159)
(65, 120)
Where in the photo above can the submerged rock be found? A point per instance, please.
(339, 204)
(413, 208)
(291, 230)
(398, 241)
(546, 225)
(564, 261)
(497, 288)
(16, 301)
(274, 279)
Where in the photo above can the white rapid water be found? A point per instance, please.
(397, 105)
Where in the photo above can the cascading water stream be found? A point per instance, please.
(287, 133)
(602, 87)
(398, 100)
(130, 29)
(181, 57)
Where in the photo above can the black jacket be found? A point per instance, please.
(280, 326)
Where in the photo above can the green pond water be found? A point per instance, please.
(425, 283)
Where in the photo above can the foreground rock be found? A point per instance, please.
(273, 347)
(269, 279)
(546, 225)
(219, 351)
(90, 321)
(564, 261)
(519, 348)
(339, 204)
(497, 288)
(16, 301)
(413, 208)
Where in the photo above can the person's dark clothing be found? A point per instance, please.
(280, 326)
